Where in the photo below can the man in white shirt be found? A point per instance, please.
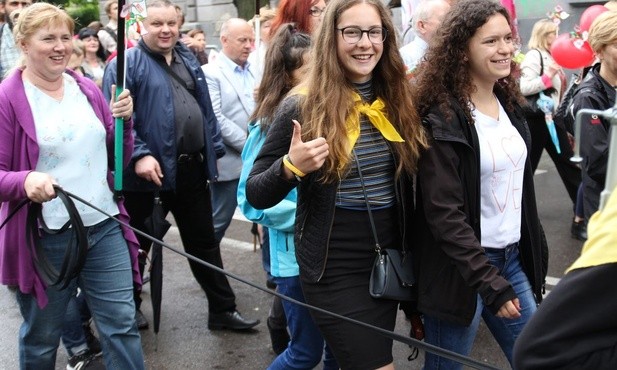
(108, 36)
(426, 19)
(231, 82)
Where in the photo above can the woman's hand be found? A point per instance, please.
(39, 187)
(306, 156)
(191, 43)
(510, 310)
(122, 107)
(553, 69)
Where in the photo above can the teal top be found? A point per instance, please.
(279, 219)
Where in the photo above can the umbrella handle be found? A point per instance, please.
(118, 151)
(119, 122)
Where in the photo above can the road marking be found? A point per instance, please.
(239, 216)
(552, 281)
(226, 242)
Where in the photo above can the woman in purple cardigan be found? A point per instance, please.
(57, 128)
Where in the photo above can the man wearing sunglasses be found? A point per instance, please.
(9, 53)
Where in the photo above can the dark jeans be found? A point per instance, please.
(569, 172)
(191, 207)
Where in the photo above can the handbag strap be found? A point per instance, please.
(167, 68)
(368, 206)
(541, 62)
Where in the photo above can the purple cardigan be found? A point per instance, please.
(19, 153)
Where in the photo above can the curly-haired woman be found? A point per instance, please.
(482, 253)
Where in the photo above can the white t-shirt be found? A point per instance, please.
(73, 150)
(502, 163)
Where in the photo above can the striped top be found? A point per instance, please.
(377, 164)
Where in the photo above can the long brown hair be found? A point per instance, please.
(328, 100)
(285, 54)
(445, 73)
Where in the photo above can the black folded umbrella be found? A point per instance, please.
(156, 225)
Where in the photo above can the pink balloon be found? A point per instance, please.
(566, 53)
(589, 15)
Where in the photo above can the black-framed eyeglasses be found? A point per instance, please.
(353, 34)
(316, 12)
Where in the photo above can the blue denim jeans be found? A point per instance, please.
(73, 336)
(224, 203)
(458, 338)
(107, 282)
(306, 347)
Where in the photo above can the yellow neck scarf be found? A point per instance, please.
(375, 114)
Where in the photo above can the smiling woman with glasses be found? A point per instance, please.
(353, 115)
(305, 14)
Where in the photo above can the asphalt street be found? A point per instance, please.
(184, 341)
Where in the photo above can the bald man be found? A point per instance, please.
(231, 80)
(425, 19)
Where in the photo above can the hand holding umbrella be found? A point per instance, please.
(133, 12)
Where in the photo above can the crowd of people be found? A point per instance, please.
(337, 141)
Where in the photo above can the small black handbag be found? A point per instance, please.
(392, 273)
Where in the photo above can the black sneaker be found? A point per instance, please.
(578, 230)
(93, 343)
(80, 360)
(142, 322)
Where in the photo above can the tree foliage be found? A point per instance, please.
(246, 8)
(82, 11)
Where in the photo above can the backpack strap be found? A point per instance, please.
(111, 33)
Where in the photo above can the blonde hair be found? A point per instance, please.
(603, 31)
(265, 14)
(37, 16)
(108, 5)
(539, 34)
(79, 47)
(611, 5)
(328, 100)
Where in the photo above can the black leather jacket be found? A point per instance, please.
(451, 266)
(315, 212)
(593, 93)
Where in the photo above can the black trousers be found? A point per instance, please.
(569, 172)
(191, 207)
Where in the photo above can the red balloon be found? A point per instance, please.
(566, 53)
(589, 15)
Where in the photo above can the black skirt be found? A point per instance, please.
(343, 289)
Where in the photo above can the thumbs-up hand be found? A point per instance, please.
(306, 156)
